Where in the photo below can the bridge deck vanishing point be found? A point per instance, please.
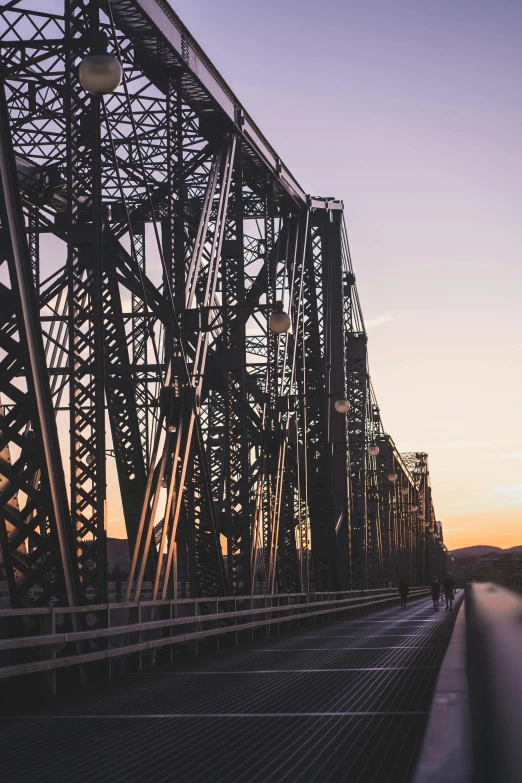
(343, 701)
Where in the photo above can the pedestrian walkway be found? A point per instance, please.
(342, 702)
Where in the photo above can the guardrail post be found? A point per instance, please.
(235, 619)
(48, 679)
(194, 645)
(109, 662)
(140, 637)
(171, 646)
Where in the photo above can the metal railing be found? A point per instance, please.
(494, 662)
(48, 643)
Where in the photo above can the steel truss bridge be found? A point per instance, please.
(149, 237)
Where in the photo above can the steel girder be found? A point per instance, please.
(156, 231)
(35, 531)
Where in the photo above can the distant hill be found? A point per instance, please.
(482, 549)
(475, 551)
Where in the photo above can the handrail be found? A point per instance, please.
(63, 638)
(494, 658)
(285, 613)
(87, 608)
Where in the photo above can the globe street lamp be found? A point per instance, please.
(100, 74)
(392, 477)
(279, 321)
(373, 451)
(342, 406)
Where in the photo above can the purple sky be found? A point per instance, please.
(411, 112)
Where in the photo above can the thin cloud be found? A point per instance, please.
(472, 444)
(371, 323)
(512, 493)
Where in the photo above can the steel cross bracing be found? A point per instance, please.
(148, 236)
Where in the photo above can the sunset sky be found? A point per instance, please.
(411, 112)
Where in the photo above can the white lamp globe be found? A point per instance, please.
(404, 491)
(414, 508)
(392, 477)
(279, 323)
(100, 74)
(342, 406)
(373, 451)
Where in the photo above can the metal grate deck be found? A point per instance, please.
(340, 702)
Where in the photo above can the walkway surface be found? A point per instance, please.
(342, 702)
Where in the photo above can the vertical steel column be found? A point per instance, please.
(385, 488)
(140, 335)
(236, 456)
(376, 480)
(86, 342)
(51, 564)
(34, 245)
(357, 394)
(269, 448)
(320, 495)
(336, 386)
(174, 249)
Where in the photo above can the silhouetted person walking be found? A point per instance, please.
(449, 591)
(403, 591)
(435, 593)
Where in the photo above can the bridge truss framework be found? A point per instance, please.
(147, 238)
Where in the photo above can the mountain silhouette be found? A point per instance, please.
(484, 549)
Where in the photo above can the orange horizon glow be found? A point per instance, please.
(498, 527)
